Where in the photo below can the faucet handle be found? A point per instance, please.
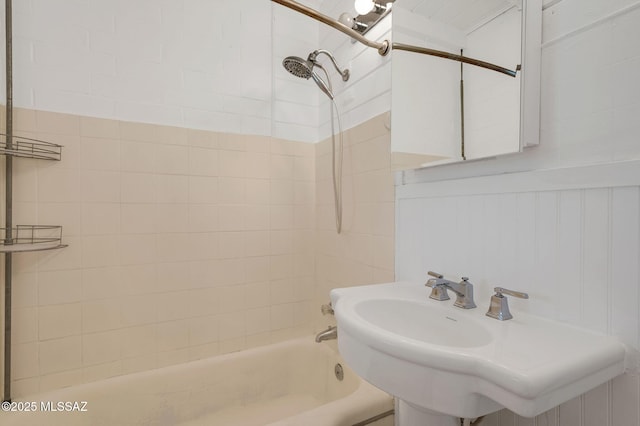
(499, 307)
(438, 292)
(518, 294)
(327, 309)
(435, 274)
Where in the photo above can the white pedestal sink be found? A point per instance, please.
(444, 363)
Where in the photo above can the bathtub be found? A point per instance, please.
(292, 383)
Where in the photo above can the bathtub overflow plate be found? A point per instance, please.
(339, 372)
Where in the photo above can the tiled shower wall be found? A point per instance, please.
(182, 244)
(185, 244)
(363, 253)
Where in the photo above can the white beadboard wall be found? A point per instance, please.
(572, 243)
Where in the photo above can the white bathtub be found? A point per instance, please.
(285, 384)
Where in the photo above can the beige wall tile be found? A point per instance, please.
(170, 135)
(139, 341)
(99, 128)
(100, 251)
(56, 321)
(25, 178)
(100, 154)
(172, 159)
(203, 330)
(67, 215)
(137, 249)
(203, 218)
(232, 163)
(101, 315)
(281, 167)
(100, 218)
(138, 218)
(25, 288)
(202, 138)
(100, 283)
(137, 156)
(203, 161)
(173, 189)
(59, 185)
(100, 348)
(173, 335)
(139, 310)
(24, 325)
(232, 190)
(53, 122)
(137, 131)
(60, 354)
(58, 287)
(23, 119)
(203, 190)
(257, 165)
(172, 217)
(138, 187)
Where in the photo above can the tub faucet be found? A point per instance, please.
(330, 333)
(463, 290)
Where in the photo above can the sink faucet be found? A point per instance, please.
(330, 333)
(463, 290)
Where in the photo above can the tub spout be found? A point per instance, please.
(330, 333)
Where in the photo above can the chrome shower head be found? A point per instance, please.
(305, 69)
(298, 66)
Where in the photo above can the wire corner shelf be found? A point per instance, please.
(30, 148)
(25, 238)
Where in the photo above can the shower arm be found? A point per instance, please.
(384, 47)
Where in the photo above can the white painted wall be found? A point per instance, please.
(295, 100)
(189, 63)
(194, 64)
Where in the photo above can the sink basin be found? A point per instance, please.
(409, 319)
(436, 357)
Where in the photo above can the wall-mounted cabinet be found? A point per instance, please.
(445, 111)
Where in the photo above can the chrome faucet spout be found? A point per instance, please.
(329, 334)
(463, 290)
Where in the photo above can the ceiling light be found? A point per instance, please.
(364, 6)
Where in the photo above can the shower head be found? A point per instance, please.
(298, 66)
(305, 69)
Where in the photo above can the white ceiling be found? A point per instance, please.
(465, 15)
